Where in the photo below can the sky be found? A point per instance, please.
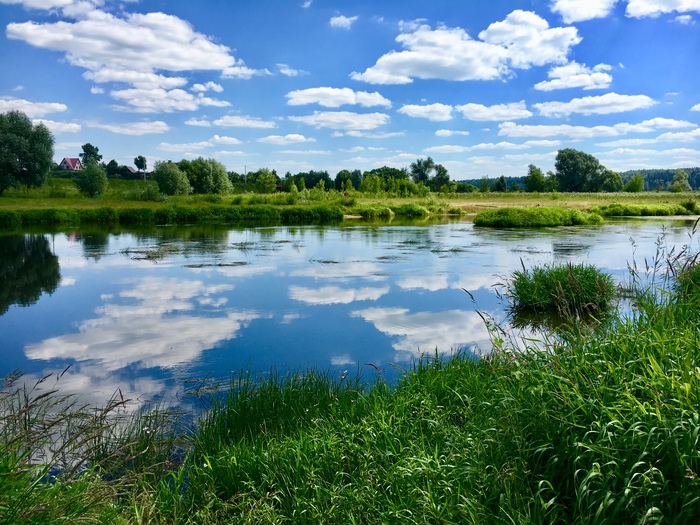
(484, 88)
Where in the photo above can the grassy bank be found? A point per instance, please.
(588, 426)
(138, 202)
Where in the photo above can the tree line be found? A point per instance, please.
(26, 160)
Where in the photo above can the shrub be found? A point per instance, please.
(375, 211)
(410, 210)
(569, 290)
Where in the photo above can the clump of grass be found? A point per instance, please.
(535, 218)
(643, 210)
(410, 210)
(372, 211)
(570, 290)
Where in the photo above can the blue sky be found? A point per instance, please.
(484, 88)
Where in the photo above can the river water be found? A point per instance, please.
(144, 313)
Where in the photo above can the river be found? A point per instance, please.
(147, 314)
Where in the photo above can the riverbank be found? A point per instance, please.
(138, 202)
(586, 427)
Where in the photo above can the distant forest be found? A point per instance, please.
(654, 179)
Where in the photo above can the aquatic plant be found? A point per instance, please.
(536, 217)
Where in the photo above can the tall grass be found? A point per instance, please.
(535, 217)
(645, 210)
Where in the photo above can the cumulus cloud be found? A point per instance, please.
(654, 8)
(280, 140)
(288, 71)
(139, 44)
(216, 140)
(58, 127)
(520, 41)
(433, 112)
(335, 97)
(577, 11)
(696, 107)
(343, 22)
(335, 294)
(511, 111)
(450, 133)
(601, 105)
(236, 121)
(343, 120)
(31, 109)
(40, 4)
(575, 75)
(209, 86)
(133, 128)
(511, 129)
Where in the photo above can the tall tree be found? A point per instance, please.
(535, 180)
(441, 178)
(141, 165)
(26, 151)
(90, 153)
(635, 184)
(170, 180)
(680, 182)
(578, 171)
(421, 169)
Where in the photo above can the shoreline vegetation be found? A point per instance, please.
(140, 203)
(591, 424)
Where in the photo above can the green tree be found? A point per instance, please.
(113, 169)
(170, 179)
(91, 180)
(578, 171)
(485, 185)
(440, 179)
(500, 185)
(680, 182)
(141, 165)
(535, 180)
(635, 184)
(421, 170)
(26, 152)
(611, 181)
(371, 184)
(207, 176)
(90, 153)
(265, 181)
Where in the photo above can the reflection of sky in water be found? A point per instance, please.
(138, 313)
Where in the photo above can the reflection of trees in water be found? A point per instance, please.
(28, 268)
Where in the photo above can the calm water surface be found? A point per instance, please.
(143, 313)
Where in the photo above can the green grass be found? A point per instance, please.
(645, 210)
(569, 290)
(535, 218)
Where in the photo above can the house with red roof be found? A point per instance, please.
(71, 164)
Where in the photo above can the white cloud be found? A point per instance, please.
(685, 20)
(335, 97)
(433, 112)
(305, 152)
(450, 133)
(601, 105)
(307, 4)
(202, 123)
(138, 45)
(654, 8)
(696, 107)
(133, 128)
(58, 127)
(511, 111)
(280, 140)
(575, 75)
(578, 11)
(287, 71)
(511, 129)
(235, 121)
(39, 4)
(209, 86)
(522, 40)
(214, 141)
(159, 100)
(31, 109)
(344, 120)
(446, 149)
(343, 22)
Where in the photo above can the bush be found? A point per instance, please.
(569, 290)
(375, 211)
(642, 210)
(410, 210)
(535, 218)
